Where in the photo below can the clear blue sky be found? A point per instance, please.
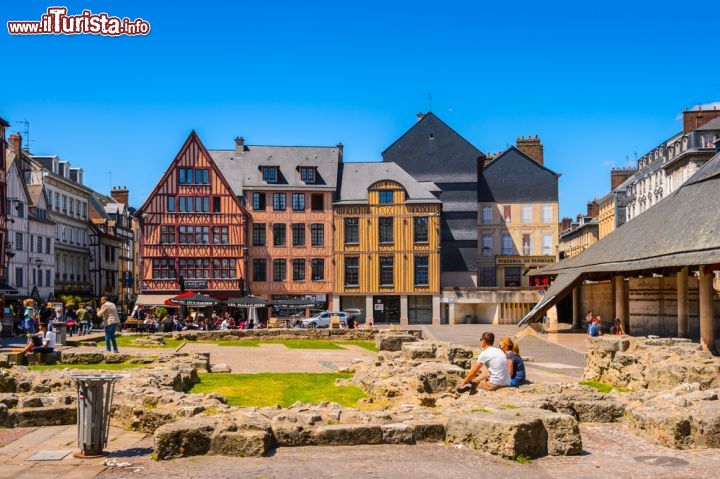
(597, 81)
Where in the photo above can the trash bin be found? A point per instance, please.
(60, 330)
(93, 411)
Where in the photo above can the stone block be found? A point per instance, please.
(220, 368)
(669, 427)
(242, 443)
(590, 410)
(41, 416)
(393, 341)
(9, 399)
(418, 350)
(503, 434)
(8, 384)
(348, 435)
(188, 437)
(563, 431)
(397, 434)
(112, 358)
(70, 357)
(437, 377)
(291, 435)
(428, 431)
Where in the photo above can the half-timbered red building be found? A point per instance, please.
(192, 228)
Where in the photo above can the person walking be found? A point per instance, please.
(29, 316)
(83, 319)
(110, 320)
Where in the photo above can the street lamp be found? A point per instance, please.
(38, 280)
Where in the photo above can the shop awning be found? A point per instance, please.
(295, 303)
(247, 302)
(153, 299)
(195, 300)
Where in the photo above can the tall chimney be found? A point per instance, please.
(239, 145)
(694, 119)
(121, 195)
(619, 175)
(593, 208)
(565, 224)
(532, 147)
(16, 142)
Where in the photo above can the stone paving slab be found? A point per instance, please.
(609, 451)
(14, 455)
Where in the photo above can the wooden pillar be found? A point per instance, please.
(707, 332)
(576, 308)
(620, 306)
(683, 310)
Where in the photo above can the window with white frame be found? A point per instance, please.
(507, 244)
(486, 215)
(547, 244)
(527, 214)
(487, 244)
(547, 214)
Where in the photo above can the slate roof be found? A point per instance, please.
(244, 172)
(432, 151)
(515, 177)
(713, 124)
(681, 230)
(357, 177)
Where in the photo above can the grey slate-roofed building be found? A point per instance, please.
(517, 217)
(432, 151)
(670, 254)
(288, 191)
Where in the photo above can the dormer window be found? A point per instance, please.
(270, 174)
(307, 174)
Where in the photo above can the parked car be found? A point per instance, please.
(322, 320)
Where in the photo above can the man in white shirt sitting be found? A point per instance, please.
(492, 364)
(41, 343)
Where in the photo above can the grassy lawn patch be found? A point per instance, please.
(127, 342)
(299, 343)
(268, 389)
(99, 366)
(602, 387)
(369, 345)
(305, 343)
(245, 343)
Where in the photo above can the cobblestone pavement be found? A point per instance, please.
(610, 451)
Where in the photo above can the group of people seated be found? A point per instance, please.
(42, 342)
(594, 328)
(496, 367)
(167, 324)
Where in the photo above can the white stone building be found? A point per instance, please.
(31, 259)
(68, 208)
(667, 166)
